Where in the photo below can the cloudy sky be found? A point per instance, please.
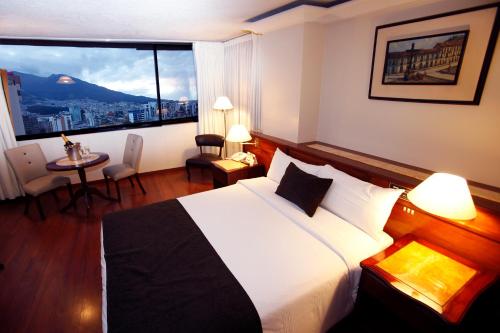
(421, 43)
(126, 70)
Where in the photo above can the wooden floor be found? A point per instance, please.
(52, 276)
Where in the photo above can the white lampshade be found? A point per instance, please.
(444, 195)
(222, 103)
(238, 133)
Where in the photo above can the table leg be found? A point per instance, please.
(85, 187)
(86, 192)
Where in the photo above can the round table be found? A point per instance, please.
(86, 191)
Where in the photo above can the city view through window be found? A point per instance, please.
(53, 89)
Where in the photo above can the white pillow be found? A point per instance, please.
(281, 161)
(362, 204)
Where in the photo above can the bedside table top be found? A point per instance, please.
(436, 276)
(229, 165)
(445, 282)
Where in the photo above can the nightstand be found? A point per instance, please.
(425, 286)
(228, 172)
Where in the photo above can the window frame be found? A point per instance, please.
(153, 46)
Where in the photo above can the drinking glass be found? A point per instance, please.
(85, 152)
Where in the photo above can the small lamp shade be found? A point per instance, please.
(238, 133)
(222, 103)
(444, 195)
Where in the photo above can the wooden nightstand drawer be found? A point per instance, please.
(223, 176)
(426, 286)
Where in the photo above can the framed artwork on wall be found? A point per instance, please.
(441, 58)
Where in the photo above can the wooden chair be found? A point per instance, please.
(129, 167)
(28, 163)
(204, 160)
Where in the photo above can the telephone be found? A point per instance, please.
(247, 158)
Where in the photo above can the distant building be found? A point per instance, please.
(76, 113)
(14, 91)
(137, 116)
(31, 124)
(90, 117)
(152, 110)
(61, 123)
(55, 126)
(44, 124)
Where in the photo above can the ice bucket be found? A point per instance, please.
(74, 152)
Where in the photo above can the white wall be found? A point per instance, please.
(281, 81)
(291, 79)
(312, 63)
(459, 139)
(165, 147)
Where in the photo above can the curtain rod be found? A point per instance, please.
(245, 32)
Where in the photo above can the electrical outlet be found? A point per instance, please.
(408, 210)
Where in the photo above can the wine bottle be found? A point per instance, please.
(67, 142)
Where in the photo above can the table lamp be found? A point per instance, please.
(444, 195)
(238, 133)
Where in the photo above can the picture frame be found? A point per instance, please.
(441, 59)
(436, 60)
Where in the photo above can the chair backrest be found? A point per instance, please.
(210, 140)
(28, 162)
(133, 151)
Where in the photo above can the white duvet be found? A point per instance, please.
(301, 273)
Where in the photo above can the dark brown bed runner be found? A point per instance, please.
(163, 275)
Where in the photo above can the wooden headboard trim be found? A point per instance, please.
(478, 240)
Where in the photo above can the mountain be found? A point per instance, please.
(38, 87)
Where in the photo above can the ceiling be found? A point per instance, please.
(186, 20)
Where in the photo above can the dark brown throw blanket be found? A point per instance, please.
(164, 276)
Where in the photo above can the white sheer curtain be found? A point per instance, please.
(242, 82)
(9, 188)
(256, 81)
(233, 69)
(209, 59)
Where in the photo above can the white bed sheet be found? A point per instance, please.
(288, 263)
(349, 242)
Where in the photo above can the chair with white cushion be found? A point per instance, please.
(129, 167)
(29, 165)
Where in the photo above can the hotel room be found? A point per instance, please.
(266, 166)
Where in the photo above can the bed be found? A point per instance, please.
(300, 273)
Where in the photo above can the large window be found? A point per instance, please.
(81, 87)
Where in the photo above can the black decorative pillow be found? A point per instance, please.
(303, 189)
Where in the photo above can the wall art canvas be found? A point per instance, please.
(434, 59)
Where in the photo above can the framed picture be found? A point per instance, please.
(442, 58)
(433, 59)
